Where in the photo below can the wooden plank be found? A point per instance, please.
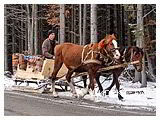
(108, 68)
(28, 74)
(117, 66)
(49, 66)
(47, 70)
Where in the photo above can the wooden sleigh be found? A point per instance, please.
(42, 78)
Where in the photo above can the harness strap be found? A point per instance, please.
(83, 53)
(124, 54)
(86, 56)
(92, 54)
(91, 60)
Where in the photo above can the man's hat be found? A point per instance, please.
(51, 31)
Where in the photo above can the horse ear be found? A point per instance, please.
(142, 50)
(114, 36)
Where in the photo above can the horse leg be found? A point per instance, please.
(68, 77)
(119, 94)
(98, 82)
(57, 67)
(84, 78)
(86, 90)
(110, 87)
(53, 89)
(92, 78)
(115, 77)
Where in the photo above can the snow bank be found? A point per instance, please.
(132, 93)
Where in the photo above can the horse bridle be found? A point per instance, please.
(124, 59)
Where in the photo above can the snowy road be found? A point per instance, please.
(29, 104)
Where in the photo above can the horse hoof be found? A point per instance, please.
(103, 93)
(120, 97)
(82, 93)
(55, 95)
(75, 95)
(107, 92)
(80, 97)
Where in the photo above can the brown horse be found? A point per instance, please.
(129, 54)
(86, 58)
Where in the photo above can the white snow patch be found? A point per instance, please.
(140, 96)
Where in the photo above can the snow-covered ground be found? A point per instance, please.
(132, 93)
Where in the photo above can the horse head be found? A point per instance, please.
(134, 53)
(110, 44)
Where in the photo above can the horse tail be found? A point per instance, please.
(57, 50)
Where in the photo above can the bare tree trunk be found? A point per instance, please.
(123, 26)
(137, 76)
(26, 30)
(140, 42)
(93, 23)
(62, 23)
(72, 24)
(108, 20)
(150, 67)
(5, 40)
(138, 39)
(84, 24)
(22, 29)
(128, 31)
(115, 20)
(144, 79)
(140, 28)
(149, 63)
(35, 30)
(80, 24)
(20, 39)
(29, 28)
(13, 38)
(32, 30)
